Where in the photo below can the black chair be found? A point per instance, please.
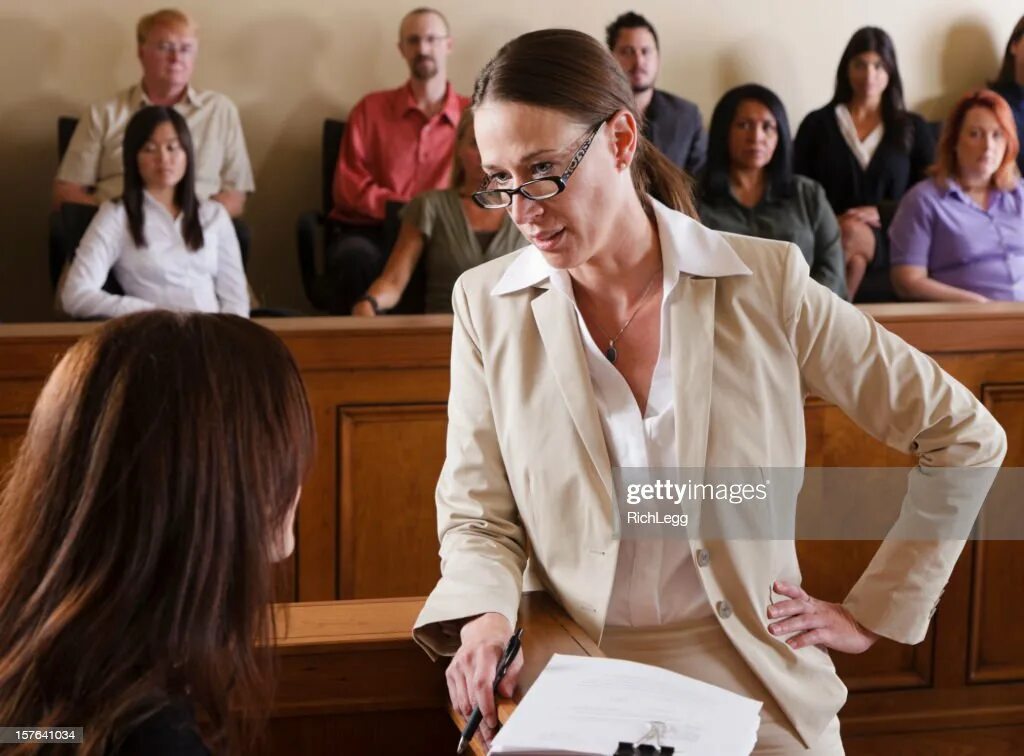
(75, 220)
(66, 126)
(316, 223)
(315, 229)
(60, 238)
(57, 245)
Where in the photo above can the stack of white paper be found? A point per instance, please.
(586, 706)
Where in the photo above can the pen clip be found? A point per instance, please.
(511, 649)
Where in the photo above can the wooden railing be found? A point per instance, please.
(366, 526)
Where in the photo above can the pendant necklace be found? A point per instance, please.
(611, 352)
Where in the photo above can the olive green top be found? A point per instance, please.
(451, 247)
(806, 219)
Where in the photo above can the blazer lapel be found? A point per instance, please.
(559, 330)
(692, 313)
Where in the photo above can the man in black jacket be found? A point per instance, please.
(672, 123)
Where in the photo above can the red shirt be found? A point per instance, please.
(391, 151)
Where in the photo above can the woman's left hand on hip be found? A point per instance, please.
(816, 622)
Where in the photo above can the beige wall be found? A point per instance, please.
(289, 64)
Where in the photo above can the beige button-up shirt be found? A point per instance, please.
(94, 156)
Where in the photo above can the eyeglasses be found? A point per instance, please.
(430, 40)
(537, 189)
(185, 49)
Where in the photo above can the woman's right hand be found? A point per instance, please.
(865, 214)
(471, 672)
(363, 309)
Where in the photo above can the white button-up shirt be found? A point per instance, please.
(656, 581)
(165, 274)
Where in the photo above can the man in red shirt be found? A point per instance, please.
(398, 143)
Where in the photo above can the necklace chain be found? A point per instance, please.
(611, 352)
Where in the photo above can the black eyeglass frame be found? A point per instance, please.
(560, 181)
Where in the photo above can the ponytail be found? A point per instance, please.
(655, 174)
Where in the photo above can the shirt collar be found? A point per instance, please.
(769, 196)
(137, 98)
(452, 109)
(153, 204)
(953, 189)
(688, 248)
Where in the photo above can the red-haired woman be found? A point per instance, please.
(959, 236)
(157, 483)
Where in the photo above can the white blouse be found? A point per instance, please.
(165, 274)
(862, 149)
(656, 581)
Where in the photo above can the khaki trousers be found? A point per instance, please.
(700, 649)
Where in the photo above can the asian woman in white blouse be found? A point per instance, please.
(167, 248)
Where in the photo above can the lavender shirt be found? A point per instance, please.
(943, 230)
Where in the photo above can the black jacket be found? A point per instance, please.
(675, 127)
(821, 153)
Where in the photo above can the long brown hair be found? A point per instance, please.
(571, 72)
(463, 132)
(946, 166)
(1007, 75)
(137, 521)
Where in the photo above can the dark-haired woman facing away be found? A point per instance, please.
(156, 484)
(748, 186)
(1010, 81)
(866, 149)
(168, 249)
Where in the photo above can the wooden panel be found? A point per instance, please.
(410, 732)
(978, 741)
(1006, 402)
(389, 461)
(833, 440)
(351, 679)
(384, 381)
(942, 328)
(996, 651)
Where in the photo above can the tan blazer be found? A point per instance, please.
(752, 335)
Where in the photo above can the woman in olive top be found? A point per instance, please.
(866, 149)
(450, 229)
(748, 186)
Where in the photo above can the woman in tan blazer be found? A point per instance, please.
(564, 367)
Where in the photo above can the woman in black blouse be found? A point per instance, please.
(156, 485)
(866, 149)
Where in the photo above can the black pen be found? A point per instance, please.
(499, 673)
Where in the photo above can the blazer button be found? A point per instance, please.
(724, 609)
(703, 557)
